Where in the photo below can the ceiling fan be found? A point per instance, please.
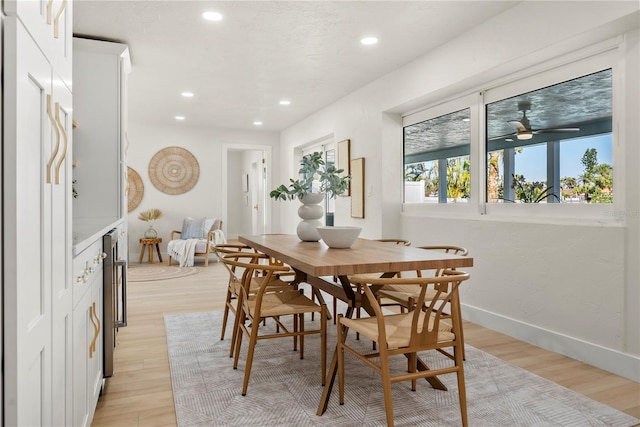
(523, 127)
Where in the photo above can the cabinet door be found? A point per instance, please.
(27, 230)
(37, 17)
(62, 40)
(61, 243)
(95, 377)
(83, 335)
(50, 24)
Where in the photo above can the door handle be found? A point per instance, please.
(66, 143)
(54, 154)
(92, 346)
(256, 207)
(56, 21)
(123, 265)
(49, 11)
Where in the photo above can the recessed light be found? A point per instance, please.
(212, 16)
(179, 117)
(187, 94)
(285, 102)
(466, 120)
(369, 40)
(257, 123)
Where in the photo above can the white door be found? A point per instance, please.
(27, 230)
(258, 194)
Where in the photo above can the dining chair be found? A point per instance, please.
(275, 302)
(407, 334)
(401, 242)
(235, 282)
(406, 296)
(335, 279)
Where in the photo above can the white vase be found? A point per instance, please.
(310, 212)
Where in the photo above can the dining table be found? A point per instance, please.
(317, 264)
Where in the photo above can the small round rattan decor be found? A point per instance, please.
(174, 170)
(135, 189)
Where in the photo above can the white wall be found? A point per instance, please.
(572, 288)
(209, 146)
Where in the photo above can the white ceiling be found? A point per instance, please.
(308, 52)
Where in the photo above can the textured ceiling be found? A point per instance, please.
(265, 51)
(584, 103)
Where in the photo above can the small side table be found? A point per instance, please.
(148, 243)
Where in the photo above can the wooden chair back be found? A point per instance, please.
(396, 241)
(425, 323)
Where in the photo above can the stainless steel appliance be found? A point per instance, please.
(114, 297)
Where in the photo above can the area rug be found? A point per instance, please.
(159, 272)
(285, 391)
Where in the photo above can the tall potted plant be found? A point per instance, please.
(314, 183)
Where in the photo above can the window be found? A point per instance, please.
(552, 145)
(436, 159)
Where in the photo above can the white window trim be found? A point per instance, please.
(473, 102)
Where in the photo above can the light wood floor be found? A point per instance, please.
(139, 393)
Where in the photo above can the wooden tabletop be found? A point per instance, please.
(365, 256)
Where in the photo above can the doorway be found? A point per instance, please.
(244, 198)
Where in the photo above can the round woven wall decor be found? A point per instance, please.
(135, 189)
(174, 170)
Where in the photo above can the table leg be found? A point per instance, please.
(150, 253)
(331, 374)
(142, 253)
(158, 250)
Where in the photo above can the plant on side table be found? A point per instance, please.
(314, 183)
(150, 215)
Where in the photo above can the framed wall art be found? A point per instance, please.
(357, 188)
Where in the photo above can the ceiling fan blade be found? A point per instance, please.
(503, 136)
(519, 126)
(556, 130)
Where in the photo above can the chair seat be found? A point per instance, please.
(283, 303)
(397, 328)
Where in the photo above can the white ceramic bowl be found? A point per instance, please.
(339, 237)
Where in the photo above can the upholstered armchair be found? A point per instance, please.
(197, 238)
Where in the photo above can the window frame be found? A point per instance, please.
(473, 102)
(590, 59)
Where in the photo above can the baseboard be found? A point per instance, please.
(616, 362)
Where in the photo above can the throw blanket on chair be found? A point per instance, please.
(182, 251)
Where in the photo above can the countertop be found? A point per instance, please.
(87, 231)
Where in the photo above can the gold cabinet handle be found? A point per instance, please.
(56, 22)
(95, 313)
(66, 143)
(93, 342)
(55, 127)
(49, 7)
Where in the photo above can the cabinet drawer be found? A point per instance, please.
(87, 266)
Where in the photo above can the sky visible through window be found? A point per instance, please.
(532, 161)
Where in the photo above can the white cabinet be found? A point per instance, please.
(50, 25)
(87, 333)
(37, 235)
(37, 141)
(99, 100)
